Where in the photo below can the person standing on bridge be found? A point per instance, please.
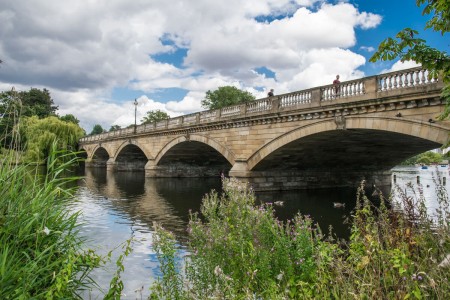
(336, 84)
(270, 93)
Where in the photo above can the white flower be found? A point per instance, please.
(46, 230)
(218, 271)
(280, 276)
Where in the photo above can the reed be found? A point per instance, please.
(41, 252)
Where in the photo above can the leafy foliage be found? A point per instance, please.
(241, 251)
(154, 116)
(97, 129)
(114, 127)
(407, 46)
(37, 103)
(10, 110)
(428, 157)
(226, 96)
(41, 134)
(70, 118)
(41, 254)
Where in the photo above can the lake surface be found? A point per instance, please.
(118, 206)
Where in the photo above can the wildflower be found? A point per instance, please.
(46, 230)
(218, 271)
(280, 276)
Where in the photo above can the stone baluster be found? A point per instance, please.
(406, 79)
(417, 81)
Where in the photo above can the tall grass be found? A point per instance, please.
(241, 251)
(41, 253)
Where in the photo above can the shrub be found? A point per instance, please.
(241, 251)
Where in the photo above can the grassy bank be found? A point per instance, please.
(41, 255)
(241, 251)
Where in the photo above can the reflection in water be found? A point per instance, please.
(118, 205)
(318, 204)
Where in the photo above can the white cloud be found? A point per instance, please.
(81, 50)
(399, 65)
(367, 48)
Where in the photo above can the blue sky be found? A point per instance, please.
(96, 57)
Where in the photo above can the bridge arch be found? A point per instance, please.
(130, 142)
(99, 147)
(99, 156)
(433, 134)
(224, 151)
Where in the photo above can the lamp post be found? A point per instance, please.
(135, 111)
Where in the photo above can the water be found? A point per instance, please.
(117, 206)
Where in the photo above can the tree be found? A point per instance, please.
(37, 102)
(10, 110)
(114, 127)
(407, 46)
(70, 118)
(41, 134)
(154, 116)
(97, 129)
(15, 105)
(226, 96)
(428, 157)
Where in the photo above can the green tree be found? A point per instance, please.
(97, 129)
(70, 118)
(15, 104)
(226, 96)
(41, 134)
(428, 157)
(114, 127)
(154, 116)
(37, 102)
(407, 46)
(10, 109)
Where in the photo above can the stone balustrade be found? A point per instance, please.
(316, 97)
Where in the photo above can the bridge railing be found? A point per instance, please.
(344, 90)
(319, 96)
(405, 79)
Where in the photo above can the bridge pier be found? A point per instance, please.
(151, 169)
(240, 169)
(111, 164)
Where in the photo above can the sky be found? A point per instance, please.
(97, 56)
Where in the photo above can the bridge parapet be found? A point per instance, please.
(404, 79)
(399, 82)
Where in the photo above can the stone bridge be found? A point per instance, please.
(320, 137)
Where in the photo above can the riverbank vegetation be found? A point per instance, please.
(239, 250)
(427, 158)
(41, 253)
